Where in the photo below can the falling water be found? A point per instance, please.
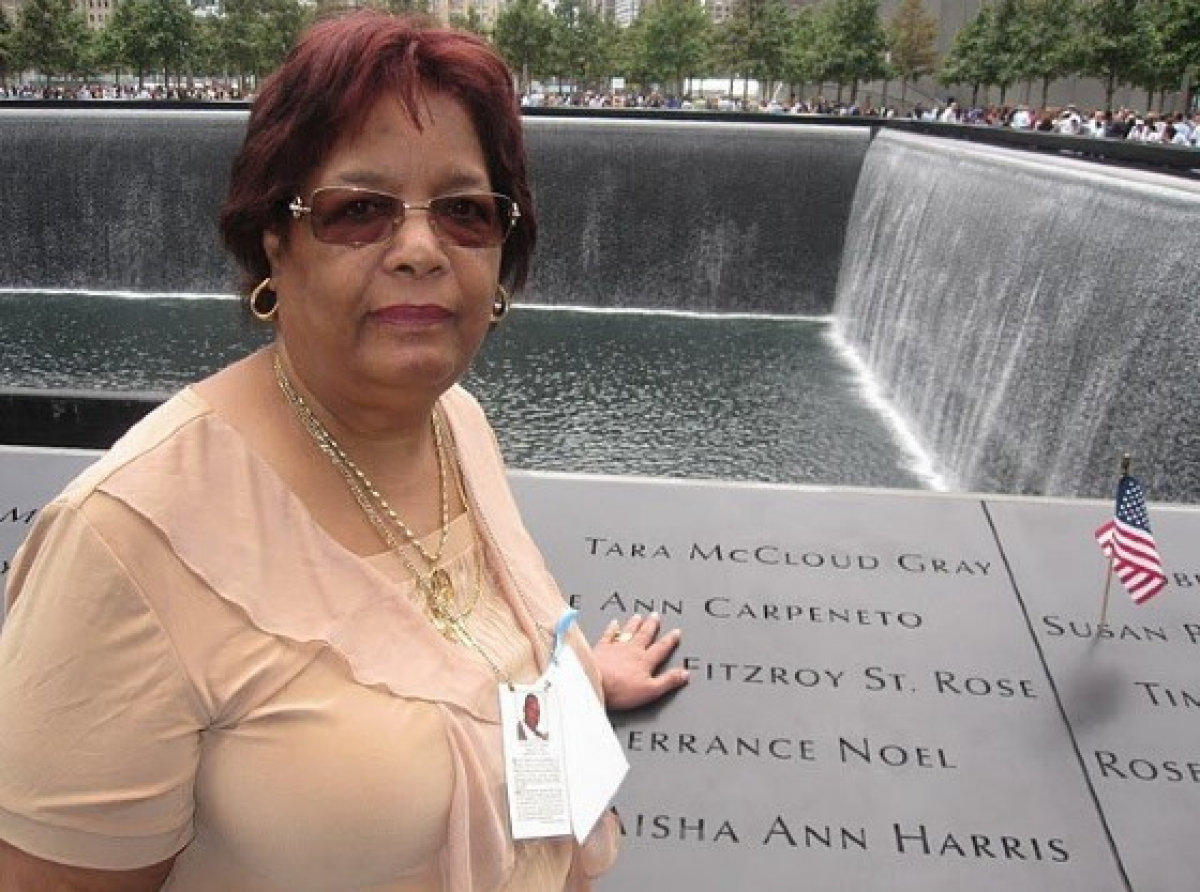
(1025, 319)
(1031, 317)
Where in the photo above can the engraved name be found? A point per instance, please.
(943, 682)
(777, 556)
(1117, 766)
(1166, 697)
(906, 839)
(847, 750)
(724, 607)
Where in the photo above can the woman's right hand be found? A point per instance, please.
(630, 659)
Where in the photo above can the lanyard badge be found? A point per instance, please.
(563, 763)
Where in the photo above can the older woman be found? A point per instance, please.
(261, 644)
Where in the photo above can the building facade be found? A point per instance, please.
(462, 10)
(95, 12)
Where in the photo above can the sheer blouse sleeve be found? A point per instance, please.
(99, 726)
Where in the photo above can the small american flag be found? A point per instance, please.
(1127, 540)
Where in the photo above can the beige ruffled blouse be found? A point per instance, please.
(191, 663)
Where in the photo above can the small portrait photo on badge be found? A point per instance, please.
(533, 724)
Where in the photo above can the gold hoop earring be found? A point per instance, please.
(264, 302)
(500, 304)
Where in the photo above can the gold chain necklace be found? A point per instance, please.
(338, 455)
(435, 585)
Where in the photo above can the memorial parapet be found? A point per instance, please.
(889, 690)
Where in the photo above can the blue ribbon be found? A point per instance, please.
(560, 631)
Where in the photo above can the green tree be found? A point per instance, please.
(675, 41)
(255, 35)
(803, 61)
(396, 7)
(608, 48)
(473, 21)
(1115, 36)
(629, 54)
(912, 42)
(1048, 43)
(1174, 63)
(207, 57)
(178, 35)
(6, 59)
(754, 42)
(1158, 70)
(854, 44)
(584, 42)
(969, 60)
(1004, 45)
(524, 35)
(51, 36)
(148, 35)
(1181, 39)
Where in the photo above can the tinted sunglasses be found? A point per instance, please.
(345, 215)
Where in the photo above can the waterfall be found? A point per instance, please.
(110, 199)
(709, 216)
(693, 215)
(1031, 317)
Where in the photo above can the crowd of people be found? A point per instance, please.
(124, 92)
(1175, 128)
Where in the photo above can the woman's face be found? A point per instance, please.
(400, 319)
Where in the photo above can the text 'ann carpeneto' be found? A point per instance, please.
(723, 607)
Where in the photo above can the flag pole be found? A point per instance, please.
(1112, 558)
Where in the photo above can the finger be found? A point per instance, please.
(611, 631)
(674, 679)
(630, 630)
(660, 685)
(660, 651)
(647, 629)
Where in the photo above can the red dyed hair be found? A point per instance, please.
(323, 92)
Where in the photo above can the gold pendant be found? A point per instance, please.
(440, 592)
(439, 602)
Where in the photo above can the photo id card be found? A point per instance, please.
(534, 763)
